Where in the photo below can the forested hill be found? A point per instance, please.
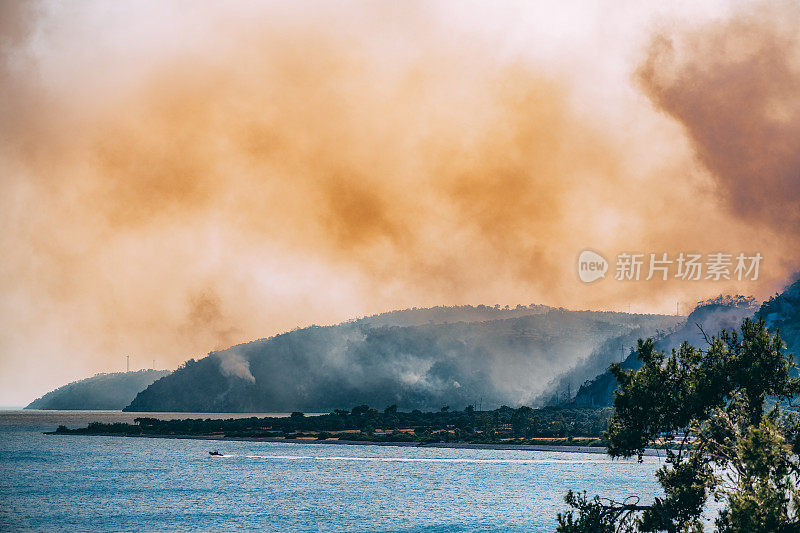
(419, 316)
(434, 362)
(725, 312)
(782, 313)
(102, 391)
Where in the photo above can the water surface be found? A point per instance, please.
(82, 483)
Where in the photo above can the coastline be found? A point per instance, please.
(456, 445)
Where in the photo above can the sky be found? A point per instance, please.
(180, 177)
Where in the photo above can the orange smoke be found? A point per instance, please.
(177, 184)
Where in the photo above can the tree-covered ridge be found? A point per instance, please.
(782, 313)
(441, 314)
(102, 391)
(727, 408)
(709, 316)
(504, 425)
(486, 363)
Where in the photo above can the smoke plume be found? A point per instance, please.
(734, 86)
(178, 178)
(232, 364)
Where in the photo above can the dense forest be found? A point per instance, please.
(782, 313)
(441, 359)
(504, 425)
(102, 391)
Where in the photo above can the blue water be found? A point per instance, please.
(80, 483)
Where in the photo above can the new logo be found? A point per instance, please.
(591, 266)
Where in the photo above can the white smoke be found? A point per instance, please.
(232, 364)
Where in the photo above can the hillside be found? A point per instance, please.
(782, 312)
(613, 350)
(383, 361)
(725, 312)
(102, 391)
(449, 314)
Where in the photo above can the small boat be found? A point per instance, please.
(215, 452)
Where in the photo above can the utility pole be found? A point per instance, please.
(127, 363)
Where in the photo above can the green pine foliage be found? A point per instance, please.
(726, 411)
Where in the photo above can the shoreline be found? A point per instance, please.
(454, 445)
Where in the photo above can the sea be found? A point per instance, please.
(86, 483)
